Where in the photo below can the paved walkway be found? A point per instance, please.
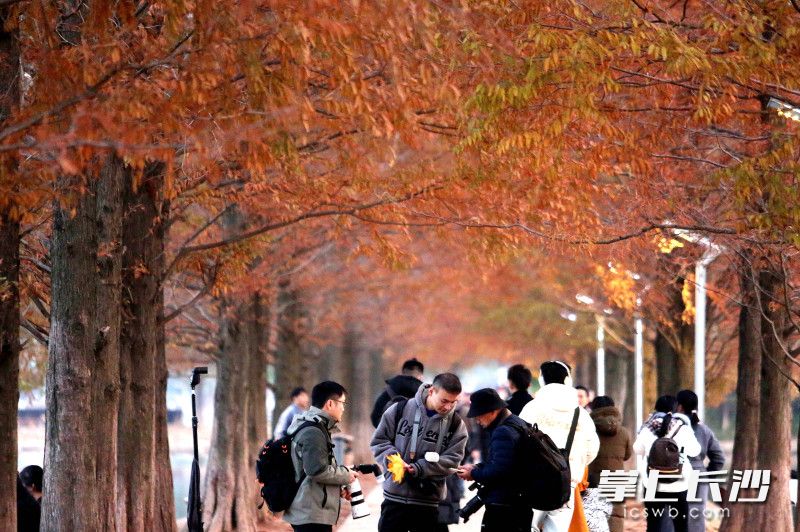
(370, 523)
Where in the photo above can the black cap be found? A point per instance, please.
(484, 401)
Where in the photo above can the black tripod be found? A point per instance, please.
(194, 511)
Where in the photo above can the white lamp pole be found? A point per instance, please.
(601, 357)
(700, 275)
(639, 368)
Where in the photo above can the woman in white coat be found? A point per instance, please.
(679, 429)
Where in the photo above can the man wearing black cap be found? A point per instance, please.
(505, 512)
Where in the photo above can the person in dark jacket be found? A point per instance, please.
(404, 385)
(519, 380)
(28, 509)
(616, 446)
(501, 492)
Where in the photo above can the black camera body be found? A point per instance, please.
(366, 469)
(473, 505)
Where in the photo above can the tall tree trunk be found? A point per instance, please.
(105, 382)
(71, 502)
(229, 493)
(775, 435)
(165, 520)
(143, 238)
(666, 366)
(9, 291)
(257, 384)
(9, 366)
(292, 363)
(748, 391)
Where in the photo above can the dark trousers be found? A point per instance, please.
(677, 511)
(506, 518)
(396, 517)
(312, 527)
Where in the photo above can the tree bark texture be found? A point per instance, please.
(105, 382)
(70, 502)
(748, 391)
(9, 292)
(165, 520)
(229, 494)
(775, 438)
(143, 238)
(9, 366)
(293, 367)
(257, 385)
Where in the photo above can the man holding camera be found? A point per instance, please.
(505, 511)
(430, 438)
(316, 506)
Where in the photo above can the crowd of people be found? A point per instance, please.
(430, 438)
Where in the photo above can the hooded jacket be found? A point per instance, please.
(398, 386)
(318, 498)
(552, 410)
(615, 441)
(391, 438)
(680, 430)
(518, 400)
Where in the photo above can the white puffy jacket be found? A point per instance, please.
(552, 409)
(681, 431)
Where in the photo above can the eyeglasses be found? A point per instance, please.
(340, 401)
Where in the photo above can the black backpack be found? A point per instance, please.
(275, 470)
(546, 480)
(665, 455)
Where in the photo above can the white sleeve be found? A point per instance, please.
(686, 439)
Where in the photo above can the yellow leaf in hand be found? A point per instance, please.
(396, 467)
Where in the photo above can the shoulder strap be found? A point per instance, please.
(310, 424)
(572, 428)
(398, 413)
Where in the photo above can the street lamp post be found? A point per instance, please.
(601, 356)
(700, 275)
(639, 369)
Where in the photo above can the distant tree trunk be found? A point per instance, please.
(292, 364)
(748, 392)
(229, 493)
(143, 238)
(71, 499)
(105, 381)
(9, 365)
(666, 366)
(356, 420)
(775, 435)
(230, 488)
(9, 292)
(617, 377)
(675, 344)
(257, 384)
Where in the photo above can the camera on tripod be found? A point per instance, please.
(473, 505)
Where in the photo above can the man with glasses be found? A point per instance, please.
(322, 481)
(430, 439)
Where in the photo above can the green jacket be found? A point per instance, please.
(318, 498)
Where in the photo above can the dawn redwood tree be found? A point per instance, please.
(10, 216)
(141, 371)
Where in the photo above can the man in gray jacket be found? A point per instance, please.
(316, 506)
(413, 428)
